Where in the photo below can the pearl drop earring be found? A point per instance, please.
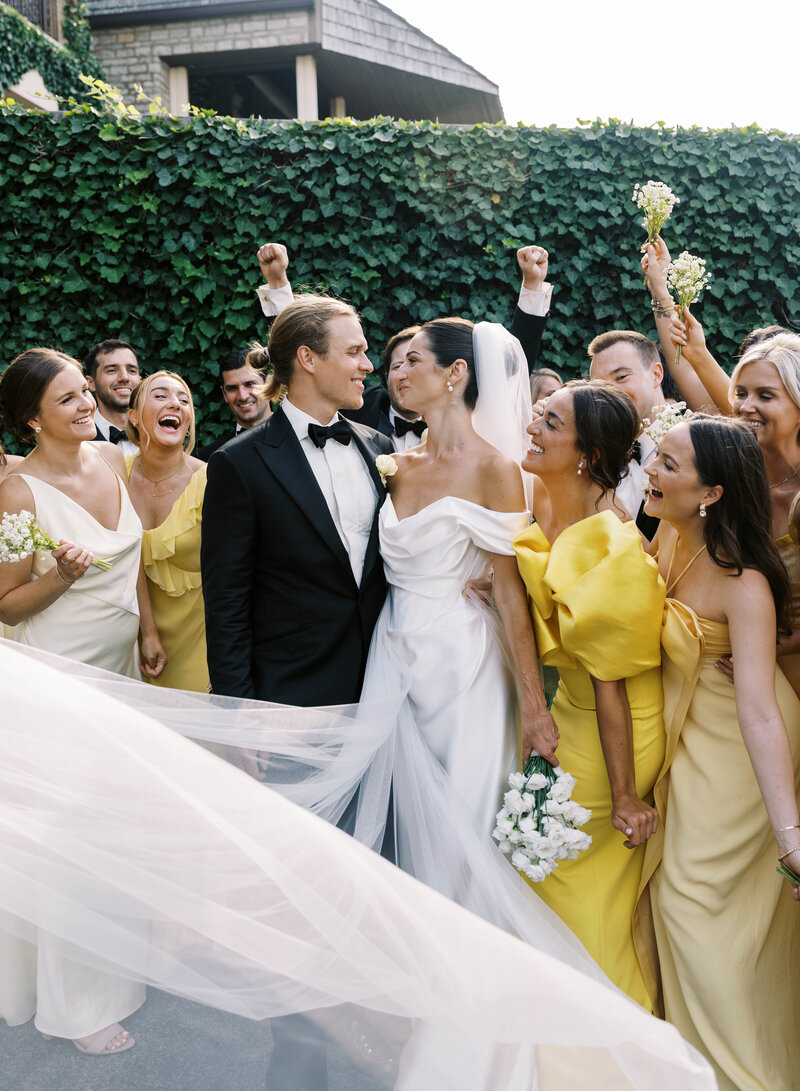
(702, 511)
(580, 468)
(449, 386)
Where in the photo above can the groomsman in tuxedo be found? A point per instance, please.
(112, 372)
(631, 361)
(241, 387)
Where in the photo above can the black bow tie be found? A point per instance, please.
(401, 427)
(636, 452)
(320, 433)
(116, 434)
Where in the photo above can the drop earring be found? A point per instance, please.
(38, 429)
(449, 386)
(580, 468)
(702, 511)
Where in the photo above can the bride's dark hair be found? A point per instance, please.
(607, 424)
(450, 339)
(738, 526)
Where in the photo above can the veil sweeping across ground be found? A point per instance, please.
(149, 857)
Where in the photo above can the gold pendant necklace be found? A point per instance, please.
(161, 480)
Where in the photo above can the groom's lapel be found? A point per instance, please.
(281, 451)
(369, 454)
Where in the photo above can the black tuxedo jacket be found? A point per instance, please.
(529, 329)
(285, 619)
(204, 453)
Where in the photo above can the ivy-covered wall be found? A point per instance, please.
(146, 228)
(23, 46)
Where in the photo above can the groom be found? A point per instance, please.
(292, 578)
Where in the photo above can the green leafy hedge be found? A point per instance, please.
(146, 228)
(23, 46)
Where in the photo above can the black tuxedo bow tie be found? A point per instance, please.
(636, 452)
(320, 433)
(402, 427)
(116, 434)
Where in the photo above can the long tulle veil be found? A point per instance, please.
(132, 847)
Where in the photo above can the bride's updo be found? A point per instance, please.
(450, 339)
(607, 425)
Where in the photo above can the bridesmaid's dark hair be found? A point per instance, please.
(23, 383)
(450, 339)
(738, 526)
(607, 424)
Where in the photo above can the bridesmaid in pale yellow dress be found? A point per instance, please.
(597, 603)
(727, 929)
(167, 486)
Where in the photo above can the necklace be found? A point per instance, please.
(161, 480)
(684, 570)
(788, 478)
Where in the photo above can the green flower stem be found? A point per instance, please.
(788, 873)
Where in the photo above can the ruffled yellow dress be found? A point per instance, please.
(171, 556)
(726, 926)
(597, 601)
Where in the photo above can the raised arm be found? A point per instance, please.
(690, 384)
(530, 315)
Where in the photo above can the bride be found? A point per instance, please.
(203, 882)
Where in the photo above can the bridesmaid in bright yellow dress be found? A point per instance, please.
(166, 485)
(727, 929)
(597, 602)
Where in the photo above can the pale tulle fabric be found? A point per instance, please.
(97, 620)
(148, 857)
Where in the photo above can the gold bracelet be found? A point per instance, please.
(69, 583)
(783, 829)
(789, 852)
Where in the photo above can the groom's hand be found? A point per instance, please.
(273, 258)
(532, 262)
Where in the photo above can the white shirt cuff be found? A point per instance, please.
(274, 300)
(537, 303)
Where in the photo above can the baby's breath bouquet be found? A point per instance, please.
(686, 277)
(21, 535)
(538, 823)
(657, 201)
(667, 417)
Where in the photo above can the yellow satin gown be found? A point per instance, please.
(597, 601)
(726, 925)
(171, 556)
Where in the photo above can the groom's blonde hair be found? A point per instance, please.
(303, 322)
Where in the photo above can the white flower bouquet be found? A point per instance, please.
(657, 201)
(538, 823)
(21, 535)
(386, 467)
(686, 277)
(667, 417)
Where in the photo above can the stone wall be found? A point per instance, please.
(141, 54)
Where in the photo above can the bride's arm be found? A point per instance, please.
(539, 731)
(629, 814)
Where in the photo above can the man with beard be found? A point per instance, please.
(112, 372)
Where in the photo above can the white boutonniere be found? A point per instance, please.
(386, 466)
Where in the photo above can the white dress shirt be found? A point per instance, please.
(631, 489)
(537, 303)
(104, 428)
(345, 481)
